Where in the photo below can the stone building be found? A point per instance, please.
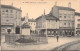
(47, 24)
(10, 19)
(66, 16)
(77, 23)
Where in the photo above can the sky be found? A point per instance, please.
(35, 8)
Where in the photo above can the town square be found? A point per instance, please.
(40, 25)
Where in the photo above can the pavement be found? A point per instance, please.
(73, 47)
(52, 43)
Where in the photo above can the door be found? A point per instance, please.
(17, 30)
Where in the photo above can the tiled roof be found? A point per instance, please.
(49, 17)
(31, 20)
(76, 13)
(65, 8)
(10, 7)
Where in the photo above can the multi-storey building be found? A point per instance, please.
(47, 24)
(66, 17)
(77, 23)
(65, 23)
(10, 19)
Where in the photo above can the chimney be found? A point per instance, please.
(12, 4)
(69, 4)
(44, 11)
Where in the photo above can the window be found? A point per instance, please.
(60, 16)
(78, 25)
(64, 23)
(56, 20)
(78, 19)
(3, 11)
(31, 23)
(7, 20)
(11, 11)
(6, 10)
(11, 17)
(49, 20)
(48, 31)
(64, 16)
(16, 11)
(69, 24)
(6, 14)
(52, 31)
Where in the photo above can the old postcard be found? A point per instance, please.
(52, 25)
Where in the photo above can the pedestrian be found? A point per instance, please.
(57, 38)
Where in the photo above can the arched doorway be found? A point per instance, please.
(17, 30)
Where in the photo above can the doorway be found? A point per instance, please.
(17, 30)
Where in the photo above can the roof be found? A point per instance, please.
(31, 20)
(25, 25)
(76, 13)
(65, 8)
(49, 17)
(10, 7)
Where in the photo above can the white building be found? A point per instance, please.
(77, 23)
(10, 19)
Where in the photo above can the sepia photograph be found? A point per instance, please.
(40, 25)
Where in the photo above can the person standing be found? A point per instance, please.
(57, 38)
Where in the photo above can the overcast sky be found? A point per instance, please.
(35, 8)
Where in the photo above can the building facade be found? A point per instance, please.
(77, 23)
(10, 19)
(66, 16)
(47, 25)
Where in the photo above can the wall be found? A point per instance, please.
(26, 31)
